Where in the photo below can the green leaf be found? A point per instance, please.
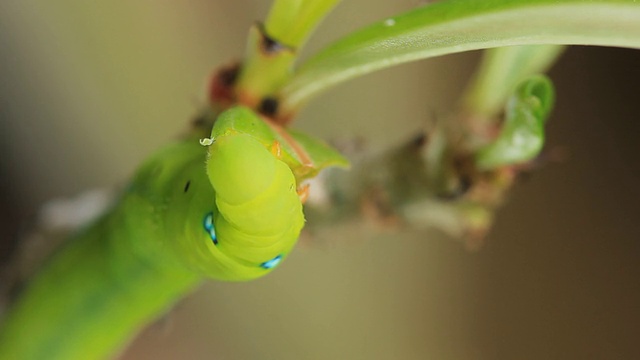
(500, 71)
(454, 26)
(321, 154)
(522, 134)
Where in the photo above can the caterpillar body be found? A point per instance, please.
(229, 211)
(259, 215)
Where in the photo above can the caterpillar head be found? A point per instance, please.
(257, 215)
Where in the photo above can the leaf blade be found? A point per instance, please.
(462, 25)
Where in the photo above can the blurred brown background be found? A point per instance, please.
(88, 89)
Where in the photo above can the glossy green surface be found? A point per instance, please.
(454, 26)
(522, 134)
(229, 211)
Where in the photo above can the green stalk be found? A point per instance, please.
(293, 21)
(273, 47)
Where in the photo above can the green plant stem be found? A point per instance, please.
(461, 25)
(293, 21)
(267, 66)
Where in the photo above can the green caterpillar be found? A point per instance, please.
(228, 211)
(258, 208)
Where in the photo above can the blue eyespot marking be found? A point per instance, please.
(210, 228)
(271, 263)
